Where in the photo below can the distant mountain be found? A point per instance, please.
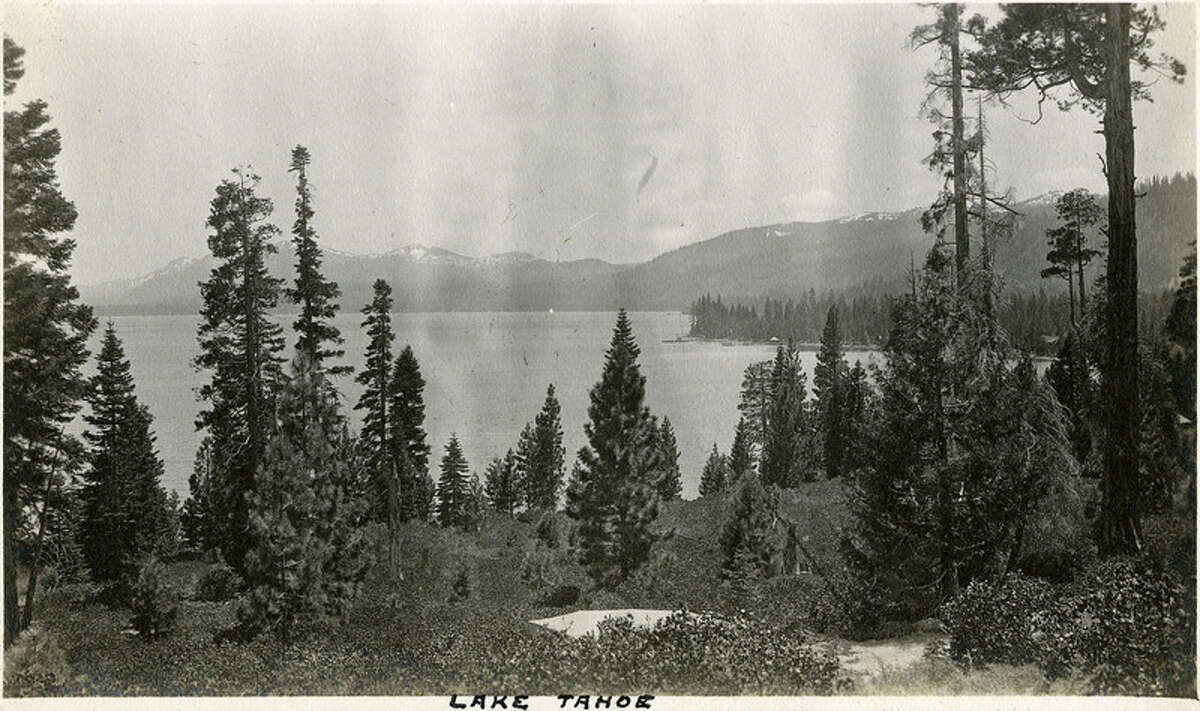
(786, 258)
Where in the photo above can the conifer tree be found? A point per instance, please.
(670, 485)
(755, 404)
(856, 418)
(501, 483)
(1039, 46)
(741, 460)
(748, 549)
(453, 486)
(376, 381)
(787, 456)
(613, 496)
(407, 434)
(239, 345)
(308, 556)
(125, 508)
(474, 504)
(316, 295)
(543, 468)
(200, 528)
(45, 327)
(964, 447)
(829, 377)
(716, 475)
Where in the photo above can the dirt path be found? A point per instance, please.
(870, 658)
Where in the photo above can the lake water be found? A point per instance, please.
(486, 376)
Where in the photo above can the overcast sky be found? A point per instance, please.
(488, 129)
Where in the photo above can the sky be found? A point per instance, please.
(614, 132)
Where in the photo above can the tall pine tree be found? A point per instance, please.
(501, 483)
(829, 377)
(670, 484)
(308, 556)
(376, 381)
(787, 456)
(741, 459)
(125, 509)
(316, 295)
(45, 327)
(715, 476)
(613, 498)
(239, 345)
(453, 486)
(543, 472)
(407, 434)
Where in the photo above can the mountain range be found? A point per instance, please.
(782, 259)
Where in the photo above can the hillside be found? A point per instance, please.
(787, 258)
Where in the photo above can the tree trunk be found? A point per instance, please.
(1079, 247)
(1120, 531)
(36, 560)
(962, 242)
(11, 603)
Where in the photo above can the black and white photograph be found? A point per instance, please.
(599, 356)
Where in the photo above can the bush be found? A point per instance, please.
(547, 530)
(35, 665)
(154, 602)
(683, 654)
(218, 584)
(560, 596)
(1128, 624)
(990, 624)
(460, 586)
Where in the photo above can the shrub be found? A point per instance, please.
(547, 530)
(460, 586)
(154, 602)
(538, 569)
(218, 584)
(35, 665)
(989, 623)
(1128, 624)
(560, 596)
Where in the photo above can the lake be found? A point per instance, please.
(486, 376)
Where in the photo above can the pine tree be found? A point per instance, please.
(200, 529)
(613, 496)
(787, 456)
(239, 344)
(749, 551)
(407, 434)
(963, 448)
(741, 460)
(1039, 46)
(474, 504)
(716, 474)
(125, 508)
(755, 404)
(543, 470)
(855, 419)
(829, 377)
(316, 295)
(501, 484)
(308, 555)
(376, 381)
(45, 327)
(670, 485)
(453, 486)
